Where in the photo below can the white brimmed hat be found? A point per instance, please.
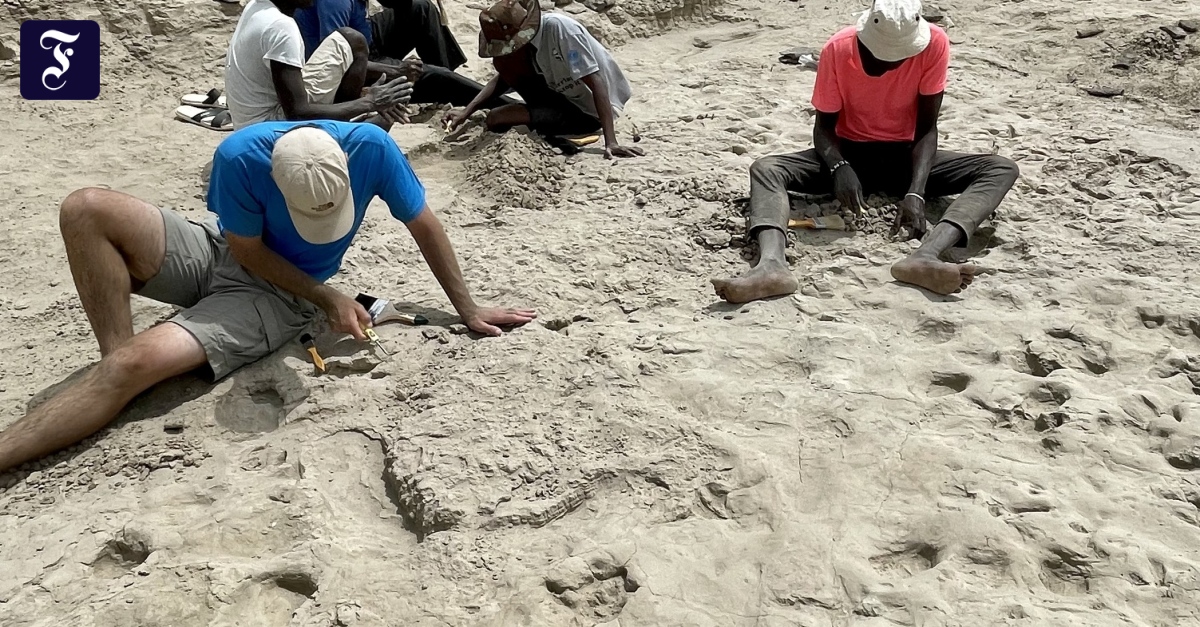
(311, 170)
(893, 30)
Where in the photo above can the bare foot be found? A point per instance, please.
(934, 275)
(767, 279)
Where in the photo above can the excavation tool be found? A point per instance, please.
(383, 311)
(823, 223)
(311, 346)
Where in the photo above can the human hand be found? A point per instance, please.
(385, 94)
(397, 114)
(412, 68)
(487, 320)
(848, 189)
(617, 150)
(911, 210)
(345, 314)
(453, 120)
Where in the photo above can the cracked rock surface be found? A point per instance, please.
(858, 454)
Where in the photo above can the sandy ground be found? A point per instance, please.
(863, 454)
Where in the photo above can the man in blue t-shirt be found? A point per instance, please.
(289, 198)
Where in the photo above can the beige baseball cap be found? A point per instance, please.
(311, 170)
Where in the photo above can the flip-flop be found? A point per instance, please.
(803, 56)
(212, 99)
(215, 119)
(586, 140)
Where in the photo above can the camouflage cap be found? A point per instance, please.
(507, 26)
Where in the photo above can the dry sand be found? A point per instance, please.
(863, 454)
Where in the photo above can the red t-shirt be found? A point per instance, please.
(884, 108)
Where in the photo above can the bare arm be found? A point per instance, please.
(454, 120)
(925, 146)
(289, 85)
(825, 139)
(485, 94)
(435, 246)
(599, 88)
(604, 111)
(345, 315)
(846, 185)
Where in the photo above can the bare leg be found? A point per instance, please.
(925, 269)
(355, 78)
(86, 406)
(500, 119)
(115, 243)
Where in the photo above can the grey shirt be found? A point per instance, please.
(567, 52)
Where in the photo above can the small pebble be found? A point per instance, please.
(1190, 26)
(1105, 92)
(1090, 31)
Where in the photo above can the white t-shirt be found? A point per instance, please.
(263, 34)
(567, 52)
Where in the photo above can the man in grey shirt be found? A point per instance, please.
(570, 84)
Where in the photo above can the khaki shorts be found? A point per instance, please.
(237, 317)
(324, 70)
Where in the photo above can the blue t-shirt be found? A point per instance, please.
(248, 203)
(326, 16)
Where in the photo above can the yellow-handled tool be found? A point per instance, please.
(375, 341)
(822, 223)
(311, 346)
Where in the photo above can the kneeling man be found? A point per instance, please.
(289, 198)
(571, 85)
(878, 95)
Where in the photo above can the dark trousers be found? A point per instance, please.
(551, 113)
(886, 168)
(414, 25)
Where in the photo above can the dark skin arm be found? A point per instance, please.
(846, 185)
(912, 208)
(289, 85)
(599, 88)
(454, 120)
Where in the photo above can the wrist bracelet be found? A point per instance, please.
(919, 197)
(838, 165)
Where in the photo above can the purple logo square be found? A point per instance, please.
(60, 60)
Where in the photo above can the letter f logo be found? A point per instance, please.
(60, 60)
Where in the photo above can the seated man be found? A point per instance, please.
(878, 94)
(267, 77)
(570, 84)
(289, 198)
(391, 34)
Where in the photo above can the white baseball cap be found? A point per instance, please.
(311, 170)
(893, 30)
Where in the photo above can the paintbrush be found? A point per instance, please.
(383, 311)
(311, 346)
(823, 223)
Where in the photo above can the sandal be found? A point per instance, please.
(213, 98)
(215, 119)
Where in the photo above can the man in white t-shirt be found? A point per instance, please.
(570, 84)
(267, 78)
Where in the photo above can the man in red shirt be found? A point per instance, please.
(878, 94)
